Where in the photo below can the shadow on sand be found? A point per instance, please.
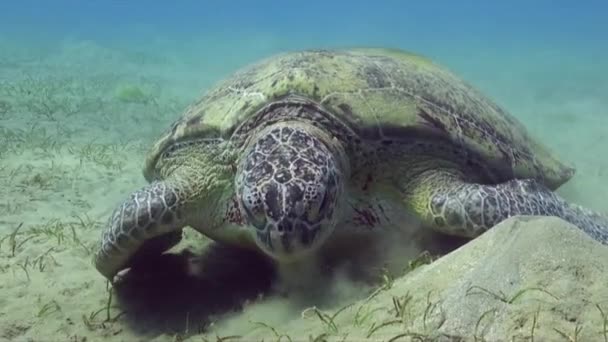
(163, 295)
(184, 293)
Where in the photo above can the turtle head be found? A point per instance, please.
(289, 184)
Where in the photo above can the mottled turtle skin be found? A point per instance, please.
(313, 145)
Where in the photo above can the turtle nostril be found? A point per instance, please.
(285, 225)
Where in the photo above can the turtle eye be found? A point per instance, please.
(315, 213)
(256, 219)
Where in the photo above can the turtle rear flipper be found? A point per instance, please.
(148, 222)
(445, 202)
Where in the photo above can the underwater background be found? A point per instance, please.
(87, 86)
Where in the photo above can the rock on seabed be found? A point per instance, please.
(528, 278)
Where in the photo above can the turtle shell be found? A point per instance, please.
(382, 94)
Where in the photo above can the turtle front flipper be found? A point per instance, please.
(445, 202)
(148, 222)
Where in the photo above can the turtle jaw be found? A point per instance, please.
(289, 187)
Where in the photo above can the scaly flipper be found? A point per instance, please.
(448, 204)
(148, 222)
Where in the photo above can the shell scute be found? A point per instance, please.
(380, 94)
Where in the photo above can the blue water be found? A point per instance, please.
(423, 23)
(464, 35)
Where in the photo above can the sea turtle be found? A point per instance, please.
(312, 145)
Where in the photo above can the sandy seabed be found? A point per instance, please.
(75, 123)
